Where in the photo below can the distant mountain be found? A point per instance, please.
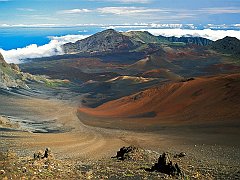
(105, 41)
(227, 45)
(188, 40)
(144, 37)
(112, 41)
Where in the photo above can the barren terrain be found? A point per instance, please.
(55, 123)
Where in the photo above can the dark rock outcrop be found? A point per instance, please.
(125, 153)
(180, 155)
(41, 155)
(165, 165)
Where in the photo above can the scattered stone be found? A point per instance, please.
(38, 155)
(2, 171)
(24, 169)
(89, 174)
(124, 152)
(47, 152)
(41, 167)
(15, 67)
(181, 154)
(165, 165)
(41, 155)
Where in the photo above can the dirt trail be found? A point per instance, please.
(76, 141)
(79, 141)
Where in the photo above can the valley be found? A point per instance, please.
(117, 89)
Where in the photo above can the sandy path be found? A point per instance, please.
(80, 142)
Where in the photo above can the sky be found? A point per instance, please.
(74, 12)
(38, 28)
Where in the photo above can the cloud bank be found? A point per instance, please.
(205, 33)
(34, 51)
(75, 11)
(54, 46)
(127, 10)
(126, 1)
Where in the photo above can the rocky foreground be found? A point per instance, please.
(129, 163)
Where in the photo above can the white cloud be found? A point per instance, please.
(34, 51)
(75, 11)
(5, 25)
(50, 25)
(115, 10)
(206, 33)
(128, 10)
(127, 1)
(220, 10)
(26, 9)
(32, 25)
(133, 1)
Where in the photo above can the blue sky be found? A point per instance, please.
(72, 12)
(51, 23)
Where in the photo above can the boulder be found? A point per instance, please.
(43, 154)
(165, 165)
(181, 154)
(125, 152)
(15, 67)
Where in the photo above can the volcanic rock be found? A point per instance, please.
(41, 155)
(165, 165)
(125, 152)
(181, 154)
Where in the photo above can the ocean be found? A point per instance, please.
(13, 38)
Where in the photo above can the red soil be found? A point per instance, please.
(161, 73)
(205, 98)
(155, 73)
(187, 53)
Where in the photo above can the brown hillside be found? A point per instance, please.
(161, 73)
(206, 98)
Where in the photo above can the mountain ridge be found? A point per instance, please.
(189, 40)
(107, 40)
(111, 40)
(227, 45)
